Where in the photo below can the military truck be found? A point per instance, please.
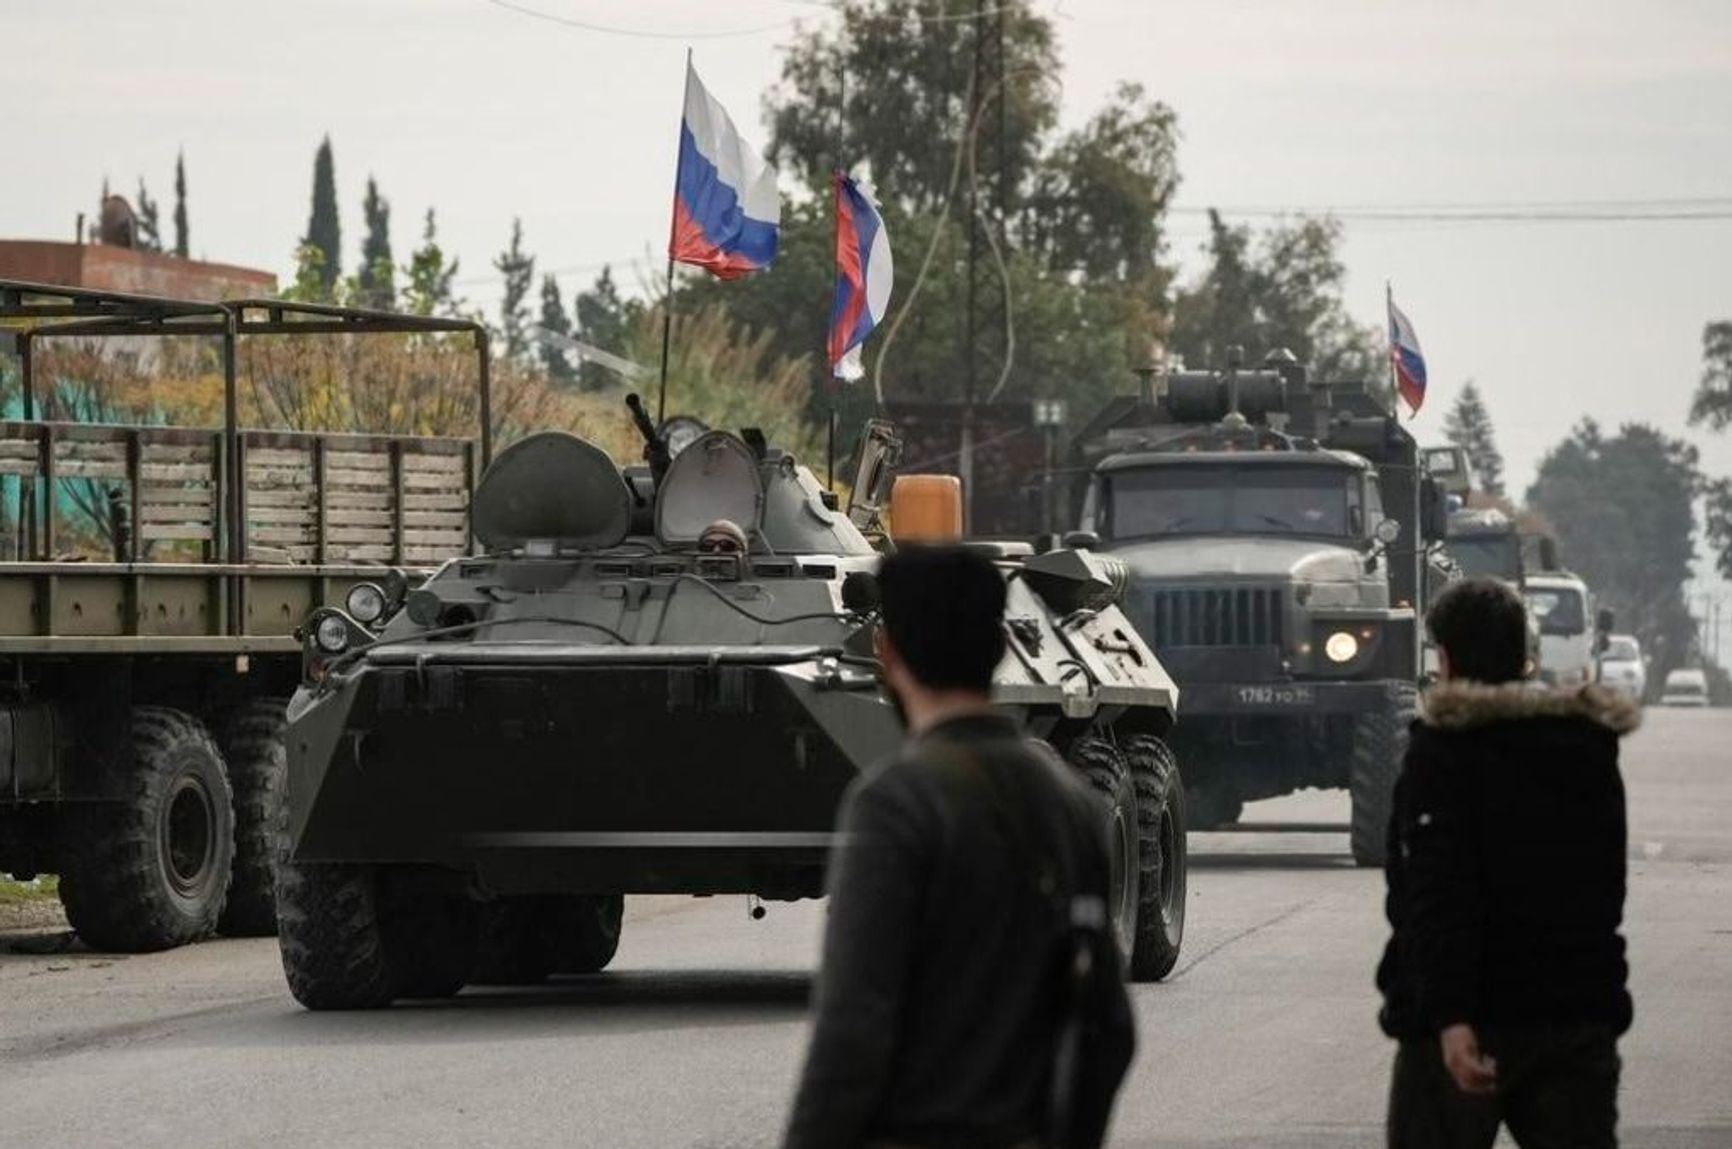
(660, 679)
(144, 685)
(1276, 530)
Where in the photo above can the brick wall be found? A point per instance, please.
(103, 268)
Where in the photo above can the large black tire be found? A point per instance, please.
(1161, 857)
(331, 933)
(150, 871)
(586, 932)
(252, 744)
(1106, 770)
(1211, 806)
(430, 941)
(516, 942)
(1379, 745)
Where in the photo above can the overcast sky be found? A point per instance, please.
(484, 113)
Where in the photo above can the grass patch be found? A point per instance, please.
(13, 892)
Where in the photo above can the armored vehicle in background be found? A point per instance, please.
(659, 680)
(1276, 531)
(147, 658)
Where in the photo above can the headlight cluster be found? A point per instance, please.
(1341, 646)
(331, 633)
(366, 603)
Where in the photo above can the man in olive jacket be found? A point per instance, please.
(1505, 978)
(937, 1008)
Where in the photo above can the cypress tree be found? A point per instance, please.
(377, 274)
(517, 267)
(1469, 427)
(149, 237)
(554, 319)
(429, 287)
(181, 245)
(324, 231)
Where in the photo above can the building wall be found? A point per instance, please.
(104, 268)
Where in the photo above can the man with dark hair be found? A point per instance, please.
(1504, 981)
(938, 1003)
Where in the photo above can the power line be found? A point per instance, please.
(637, 33)
(1678, 209)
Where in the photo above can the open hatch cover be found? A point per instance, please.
(714, 477)
(556, 487)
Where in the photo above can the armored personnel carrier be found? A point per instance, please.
(659, 680)
(1277, 531)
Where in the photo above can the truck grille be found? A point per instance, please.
(1212, 616)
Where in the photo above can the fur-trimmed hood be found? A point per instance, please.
(1463, 705)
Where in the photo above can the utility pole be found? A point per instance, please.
(987, 82)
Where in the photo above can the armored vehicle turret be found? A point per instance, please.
(1276, 529)
(658, 679)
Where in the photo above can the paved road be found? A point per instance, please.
(1264, 1037)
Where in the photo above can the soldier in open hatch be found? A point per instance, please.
(1505, 978)
(946, 1011)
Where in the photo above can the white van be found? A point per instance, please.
(1563, 607)
(1685, 688)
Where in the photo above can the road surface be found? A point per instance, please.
(1265, 1035)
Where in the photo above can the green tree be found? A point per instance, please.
(1279, 289)
(429, 276)
(517, 268)
(149, 234)
(1712, 405)
(376, 277)
(600, 317)
(182, 236)
(1622, 508)
(324, 230)
(555, 320)
(1468, 426)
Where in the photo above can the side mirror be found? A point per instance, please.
(1433, 510)
(880, 452)
(1605, 621)
(1387, 531)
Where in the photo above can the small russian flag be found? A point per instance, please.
(727, 212)
(1407, 359)
(863, 276)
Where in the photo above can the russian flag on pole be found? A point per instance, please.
(1405, 358)
(863, 276)
(727, 213)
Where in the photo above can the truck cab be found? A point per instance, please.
(1563, 607)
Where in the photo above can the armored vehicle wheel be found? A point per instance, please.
(516, 941)
(586, 932)
(1106, 770)
(430, 940)
(1379, 744)
(152, 868)
(1161, 857)
(252, 745)
(331, 936)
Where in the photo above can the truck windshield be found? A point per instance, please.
(1487, 556)
(1558, 609)
(1210, 499)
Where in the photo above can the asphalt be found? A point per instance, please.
(1264, 1036)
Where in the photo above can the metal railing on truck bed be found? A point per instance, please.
(221, 539)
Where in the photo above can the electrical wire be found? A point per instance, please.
(457, 628)
(832, 616)
(635, 33)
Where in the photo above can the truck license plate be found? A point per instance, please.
(1276, 696)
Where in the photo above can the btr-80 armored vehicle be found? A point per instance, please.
(1277, 532)
(658, 680)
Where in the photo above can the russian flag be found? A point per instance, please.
(727, 213)
(1408, 361)
(863, 276)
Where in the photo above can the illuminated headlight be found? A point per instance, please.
(332, 634)
(365, 603)
(1341, 647)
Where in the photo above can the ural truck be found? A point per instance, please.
(660, 679)
(1276, 529)
(141, 716)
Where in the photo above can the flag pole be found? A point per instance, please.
(673, 234)
(1389, 351)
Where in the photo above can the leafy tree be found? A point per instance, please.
(1713, 406)
(1622, 510)
(430, 276)
(517, 267)
(324, 230)
(1468, 426)
(555, 320)
(376, 277)
(182, 245)
(149, 234)
(601, 318)
(1282, 289)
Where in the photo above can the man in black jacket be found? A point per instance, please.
(1505, 978)
(937, 1005)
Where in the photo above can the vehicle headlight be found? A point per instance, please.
(1341, 647)
(332, 634)
(365, 603)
